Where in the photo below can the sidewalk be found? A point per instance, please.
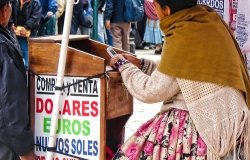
(142, 112)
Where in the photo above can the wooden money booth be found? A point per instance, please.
(93, 109)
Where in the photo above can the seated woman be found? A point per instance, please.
(203, 84)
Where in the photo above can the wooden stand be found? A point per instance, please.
(86, 58)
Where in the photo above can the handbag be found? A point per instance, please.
(133, 10)
(87, 16)
(87, 19)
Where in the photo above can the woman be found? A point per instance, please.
(152, 33)
(203, 83)
(16, 138)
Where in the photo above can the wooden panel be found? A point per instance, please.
(94, 47)
(58, 38)
(44, 58)
(119, 101)
(82, 43)
(85, 58)
(32, 100)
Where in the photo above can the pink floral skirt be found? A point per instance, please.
(169, 135)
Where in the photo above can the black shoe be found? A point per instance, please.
(158, 51)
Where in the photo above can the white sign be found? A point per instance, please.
(243, 29)
(78, 131)
(221, 6)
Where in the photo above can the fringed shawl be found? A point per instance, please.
(200, 47)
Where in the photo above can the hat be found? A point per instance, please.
(2, 2)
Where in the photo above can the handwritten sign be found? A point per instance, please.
(78, 127)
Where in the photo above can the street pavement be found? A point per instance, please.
(142, 111)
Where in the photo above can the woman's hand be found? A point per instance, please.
(107, 24)
(114, 60)
(119, 59)
(132, 59)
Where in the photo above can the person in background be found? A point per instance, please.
(141, 29)
(82, 18)
(134, 33)
(16, 138)
(100, 21)
(104, 35)
(60, 14)
(203, 83)
(108, 36)
(114, 21)
(48, 21)
(25, 18)
(152, 33)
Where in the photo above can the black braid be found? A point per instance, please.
(176, 5)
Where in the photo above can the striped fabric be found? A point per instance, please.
(150, 10)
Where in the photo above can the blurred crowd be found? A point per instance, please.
(34, 18)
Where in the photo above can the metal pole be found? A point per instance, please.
(95, 20)
(60, 76)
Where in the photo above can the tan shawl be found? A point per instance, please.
(199, 46)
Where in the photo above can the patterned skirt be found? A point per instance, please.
(170, 135)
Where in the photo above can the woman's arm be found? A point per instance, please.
(152, 88)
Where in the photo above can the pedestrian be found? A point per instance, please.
(16, 138)
(48, 20)
(101, 28)
(118, 26)
(60, 15)
(82, 18)
(26, 16)
(100, 25)
(152, 33)
(141, 29)
(203, 83)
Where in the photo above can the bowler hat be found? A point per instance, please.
(2, 2)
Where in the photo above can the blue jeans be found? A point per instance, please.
(100, 28)
(75, 25)
(23, 41)
(109, 37)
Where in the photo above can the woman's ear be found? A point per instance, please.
(4, 11)
(167, 11)
(5, 14)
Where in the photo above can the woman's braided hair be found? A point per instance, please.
(176, 5)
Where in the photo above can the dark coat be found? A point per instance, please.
(15, 133)
(78, 16)
(33, 14)
(48, 5)
(114, 11)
